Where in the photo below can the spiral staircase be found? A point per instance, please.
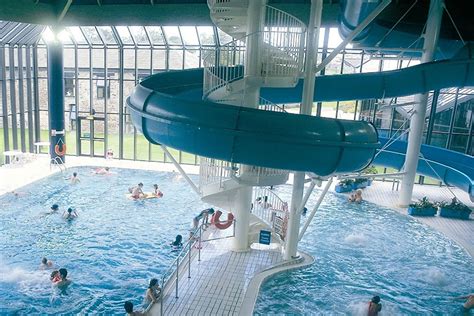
(280, 61)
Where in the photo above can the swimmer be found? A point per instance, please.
(45, 264)
(468, 305)
(64, 281)
(70, 214)
(153, 293)
(55, 277)
(102, 171)
(74, 179)
(129, 309)
(178, 243)
(54, 209)
(156, 191)
(357, 197)
(374, 306)
(137, 192)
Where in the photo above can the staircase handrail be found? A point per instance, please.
(268, 208)
(213, 171)
(268, 105)
(282, 52)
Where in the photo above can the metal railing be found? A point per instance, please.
(213, 171)
(282, 52)
(57, 161)
(268, 105)
(173, 272)
(271, 209)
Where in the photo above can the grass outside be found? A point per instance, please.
(144, 151)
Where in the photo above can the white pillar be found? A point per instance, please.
(293, 228)
(243, 196)
(242, 202)
(418, 118)
(253, 65)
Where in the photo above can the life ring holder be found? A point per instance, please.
(59, 152)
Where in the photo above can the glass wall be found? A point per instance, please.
(103, 64)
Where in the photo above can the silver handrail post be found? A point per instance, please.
(177, 277)
(162, 295)
(189, 260)
(200, 245)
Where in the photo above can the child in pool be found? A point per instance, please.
(357, 197)
(156, 191)
(55, 277)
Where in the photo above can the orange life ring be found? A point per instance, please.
(222, 225)
(60, 152)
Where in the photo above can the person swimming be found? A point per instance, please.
(178, 243)
(54, 209)
(70, 214)
(102, 171)
(45, 263)
(357, 197)
(374, 306)
(468, 305)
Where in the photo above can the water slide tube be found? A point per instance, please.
(168, 109)
(451, 167)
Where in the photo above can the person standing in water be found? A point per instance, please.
(46, 264)
(374, 306)
(129, 309)
(64, 281)
(153, 293)
(70, 214)
(74, 179)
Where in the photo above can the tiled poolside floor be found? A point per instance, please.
(219, 281)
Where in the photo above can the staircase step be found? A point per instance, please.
(231, 4)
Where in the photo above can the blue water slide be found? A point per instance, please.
(167, 108)
(455, 72)
(451, 167)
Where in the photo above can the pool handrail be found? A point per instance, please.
(187, 251)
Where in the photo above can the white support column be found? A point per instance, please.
(418, 118)
(253, 65)
(291, 242)
(243, 196)
(242, 203)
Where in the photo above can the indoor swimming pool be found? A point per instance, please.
(110, 251)
(362, 250)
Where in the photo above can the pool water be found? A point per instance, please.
(363, 250)
(110, 251)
